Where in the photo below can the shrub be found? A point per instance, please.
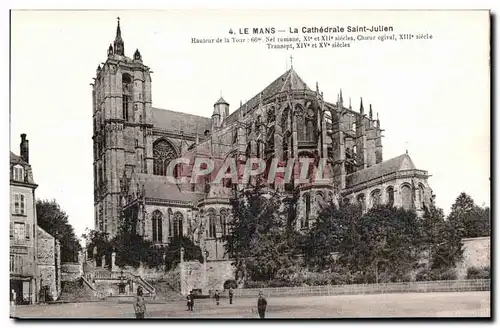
(478, 273)
(231, 283)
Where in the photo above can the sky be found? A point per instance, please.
(432, 96)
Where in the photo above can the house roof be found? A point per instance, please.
(399, 163)
(288, 80)
(15, 159)
(177, 121)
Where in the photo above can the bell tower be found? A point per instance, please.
(122, 129)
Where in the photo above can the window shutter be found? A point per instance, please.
(28, 231)
(11, 229)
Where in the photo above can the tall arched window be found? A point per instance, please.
(223, 221)
(157, 226)
(307, 203)
(126, 95)
(212, 228)
(390, 196)
(178, 218)
(406, 198)
(353, 126)
(361, 201)
(170, 217)
(375, 197)
(300, 128)
(310, 131)
(163, 154)
(420, 190)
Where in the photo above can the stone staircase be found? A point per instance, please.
(78, 291)
(104, 281)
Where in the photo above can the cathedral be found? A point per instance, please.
(134, 143)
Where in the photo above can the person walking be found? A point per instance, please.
(139, 305)
(261, 305)
(190, 301)
(217, 297)
(231, 295)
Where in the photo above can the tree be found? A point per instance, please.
(173, 251)
(471, 220)
(54, 220)
(258, 241)
(333, 227)
(98, 245)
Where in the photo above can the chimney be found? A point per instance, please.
(25, 153)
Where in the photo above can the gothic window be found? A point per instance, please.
(320, 199)
(258, 122)
(163, 154)
(270, 115)
(286, 141)
(361, 201)
(353, 127)
(259, 147)
(248, 151)
(420, 195)
(235, 136)
(310, 131)
(178, 218)
(307, 203)
(125, 107)
(270, 139)
(300, 128)
(170, 217)
(223, 222)
(375, 197)
(406, 197)
(390, 196)
(126, 90)
(211, 224)
(157, 226)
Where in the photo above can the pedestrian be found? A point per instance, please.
(13, 297)
(139, 305)
(190, 301)
(261, 305)
(230, 295)
(217, 297)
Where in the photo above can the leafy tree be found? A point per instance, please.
(333, 227)
(54, 220)
(173, 251)
(258, 240)
(471, 220)
(98, 245)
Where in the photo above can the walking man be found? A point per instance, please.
(139, 305)
(261, 305)
(230, 295)
(217, 297)
(190, 301)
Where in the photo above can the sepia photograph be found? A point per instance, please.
(250, 164)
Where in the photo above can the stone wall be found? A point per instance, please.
(207, 277)
(476, 254)
(48, 262)
(71, 271)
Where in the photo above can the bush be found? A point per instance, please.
(478, 273)
(231, 283)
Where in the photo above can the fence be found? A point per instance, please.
(399, 287)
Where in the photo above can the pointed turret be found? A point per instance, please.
(341, 99)
(222, 107)
(118, 44)
(350, 106)
(137, 55)
(110, 50)
(361, 109)
(370, 113)
(378, 122)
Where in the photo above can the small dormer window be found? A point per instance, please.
(18, 173)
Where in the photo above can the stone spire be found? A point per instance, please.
(118, 44)
(361, 109)
(370, 114)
